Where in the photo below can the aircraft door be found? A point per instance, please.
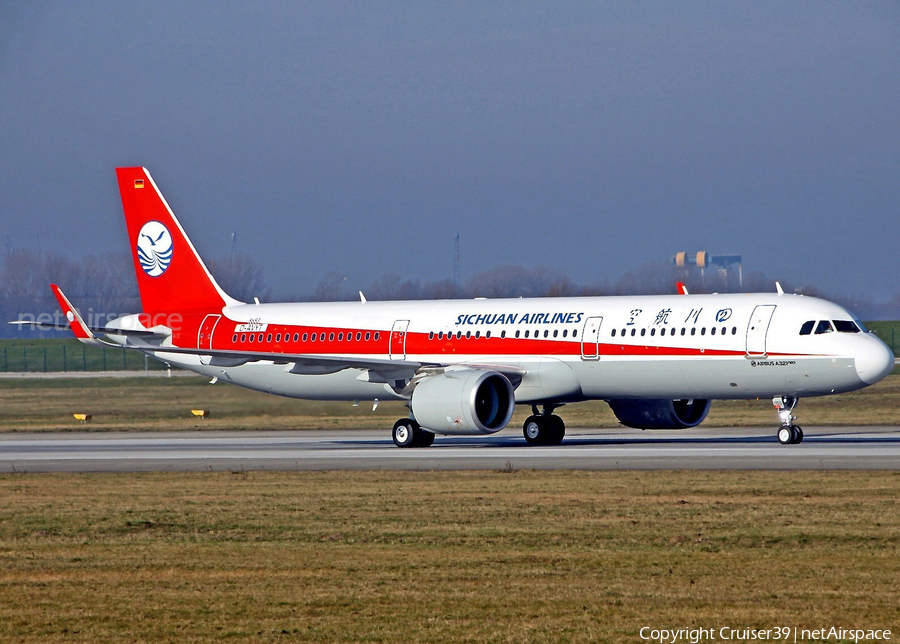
(590, 339)
(398, 340)
(757, 329)
(204, 336)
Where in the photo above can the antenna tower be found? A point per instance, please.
(456, 262)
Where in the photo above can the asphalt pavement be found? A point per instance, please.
(602, 449)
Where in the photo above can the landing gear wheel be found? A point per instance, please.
(408, 433)
(544, 430)
(557, 430)
(404, 433)
(786, 435)
(535, 430)
(798, 434)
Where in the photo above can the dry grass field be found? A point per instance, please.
(443, 557)
(155, 404)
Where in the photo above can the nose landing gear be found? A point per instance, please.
(788, 433)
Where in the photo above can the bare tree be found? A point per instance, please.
(241, 277)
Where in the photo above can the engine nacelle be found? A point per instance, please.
(660, 414)
(467, 401)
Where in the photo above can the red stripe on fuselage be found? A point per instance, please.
(420, 344)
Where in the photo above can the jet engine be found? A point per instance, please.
(660, 414)
(466, 401)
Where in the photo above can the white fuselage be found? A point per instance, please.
(558, 350)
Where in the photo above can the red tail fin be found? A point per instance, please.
(170, 274)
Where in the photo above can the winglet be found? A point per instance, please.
(79, 328)
(681, 288)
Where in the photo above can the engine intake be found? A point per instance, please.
(469, 401)
(660, 414)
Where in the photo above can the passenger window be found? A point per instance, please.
(234, 338)
(824, 326)
(277, 337)
(633, 332)
(643, 332)
(305, 337)
(693, 330)
(377, 335)
(487, 335)
(468, 334)
(526, 333)
(252, 337)
(243, 337)
(431, 335)
(517, 334)
(331, 337)
(566, 333)
(358, 336)
(807, 327)
(555, 333)
(683, 330)
(613, 333)
(546, 333)
(458, 335)
(712, 331)
(574, 333)
(368, 336)
(297, 337)
(703, 331)
(652, 332)
(502, 334)
(340, 336)
(259, 337)
(478, 334)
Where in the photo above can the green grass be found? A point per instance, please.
(441, 556)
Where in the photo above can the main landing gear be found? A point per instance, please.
(544, 428)
(408, 433)
(788, 433)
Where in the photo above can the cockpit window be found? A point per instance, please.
(807, 327)
(824, 326)
(846, 326)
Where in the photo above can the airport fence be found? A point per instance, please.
(888, 331)
(70, 356)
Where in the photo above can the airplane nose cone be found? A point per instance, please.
(874, 361)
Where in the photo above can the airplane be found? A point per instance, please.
(461, 366)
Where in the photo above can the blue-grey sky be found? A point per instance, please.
(589, 137)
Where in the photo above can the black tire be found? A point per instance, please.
(425, 439)
(535, 430)
(405, 432)
(798, 434)
(557, 430)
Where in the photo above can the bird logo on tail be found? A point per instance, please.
(154, 248)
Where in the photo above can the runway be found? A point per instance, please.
(605, 449)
